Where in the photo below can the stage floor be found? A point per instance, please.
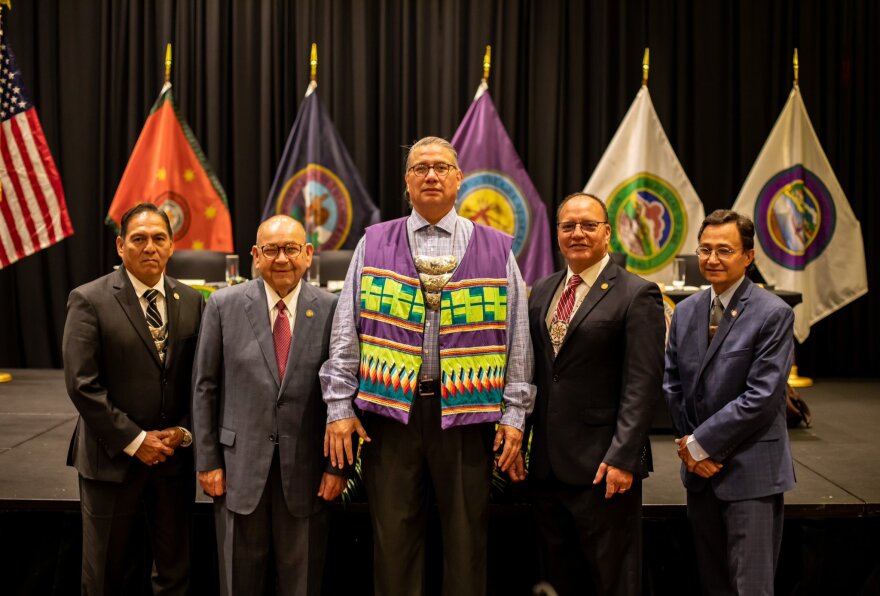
(837, 460)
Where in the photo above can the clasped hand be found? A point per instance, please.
(159, 445)
(705, 468)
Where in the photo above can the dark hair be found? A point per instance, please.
(576, 195)
(143, 208)
(744, 225)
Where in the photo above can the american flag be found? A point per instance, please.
(33, 214)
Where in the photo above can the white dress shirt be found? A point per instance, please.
(290, 302)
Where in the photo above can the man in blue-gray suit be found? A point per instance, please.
(259, 418)
(727, 362)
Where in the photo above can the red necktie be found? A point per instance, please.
(559, 324)
(566, 301)
(281, 337)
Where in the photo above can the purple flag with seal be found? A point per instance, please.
(497, 191)
(317, 182)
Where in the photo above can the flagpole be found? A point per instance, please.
(794, 379)
(167, 84)
(311, 215)
(646, 66)
(4, 376)
(487, 64)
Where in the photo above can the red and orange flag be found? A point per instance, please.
(169, 169)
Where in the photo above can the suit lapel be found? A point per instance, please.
(738, 304)
(172, 309)
(604, 284)
(303, 329)
(257, 310)
(130, 304)
(544, 300)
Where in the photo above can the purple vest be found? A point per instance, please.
(472, 334)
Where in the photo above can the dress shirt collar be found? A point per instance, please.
(727, 294)
(447, 223)
(590, 274)
(272, 297)
(140, 287)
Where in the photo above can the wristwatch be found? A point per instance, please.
(187, 437)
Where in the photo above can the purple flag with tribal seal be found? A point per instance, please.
(497, 191)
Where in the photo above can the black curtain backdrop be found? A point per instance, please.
(391, 71)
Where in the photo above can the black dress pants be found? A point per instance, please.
(399, 465)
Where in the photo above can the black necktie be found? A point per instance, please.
(154, 319)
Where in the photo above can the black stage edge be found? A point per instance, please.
(831, 543)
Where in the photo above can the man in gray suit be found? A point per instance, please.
(727, 362)
(259, 418)
(128, 348)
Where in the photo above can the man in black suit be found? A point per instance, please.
(598, 336)
(128, 349)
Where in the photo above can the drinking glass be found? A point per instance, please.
(231, 269)
(679, 271)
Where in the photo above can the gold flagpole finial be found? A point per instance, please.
(795, 65)
(646, 66)
(487, 63)
(6, 3)
(168, 64)
(313, 62)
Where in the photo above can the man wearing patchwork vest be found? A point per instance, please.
(431, 342)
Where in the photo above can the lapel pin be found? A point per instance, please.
(176, 296)
(310, 313)
(604, 286)
(733, 313)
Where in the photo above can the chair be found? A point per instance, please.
(334, 264)
(209, 265)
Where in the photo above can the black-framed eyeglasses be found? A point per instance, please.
(291, 249)
(722, 252)
(441, 168)
(587, 227)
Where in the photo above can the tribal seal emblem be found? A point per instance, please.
(492, 198)
(177, 209)
(316, 195)
(649, 222)
(794, 217)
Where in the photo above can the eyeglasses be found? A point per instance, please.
(587, 227)
(722, 252)
(292, 250)
(440, 168)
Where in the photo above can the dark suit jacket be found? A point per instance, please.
(115, 378)
(240, 405)
(596, 399)
(731, 394)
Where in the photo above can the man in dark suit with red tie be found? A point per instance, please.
(598, 334)
(128, 348)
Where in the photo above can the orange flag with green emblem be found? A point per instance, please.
(169, 169)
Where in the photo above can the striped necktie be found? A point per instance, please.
(564, 308)
(154, 319)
